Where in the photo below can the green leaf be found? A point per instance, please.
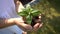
(35, 13)
(29, 19)
(28, 12)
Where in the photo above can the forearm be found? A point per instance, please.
(6, 22)
(12, 21)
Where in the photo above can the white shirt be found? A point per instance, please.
(7, 10)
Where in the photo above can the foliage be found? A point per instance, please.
(28, 13)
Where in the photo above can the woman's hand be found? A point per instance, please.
(20, 23)
(38, 23)
(37, 26)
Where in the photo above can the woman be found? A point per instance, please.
(10, 22)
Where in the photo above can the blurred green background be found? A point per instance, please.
(51, 19)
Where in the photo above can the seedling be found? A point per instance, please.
(29, 14)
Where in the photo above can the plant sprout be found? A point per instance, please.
(29, 13)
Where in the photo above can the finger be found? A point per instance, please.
(36, 26)
(27, 27)
(24, 32)
(40, 25)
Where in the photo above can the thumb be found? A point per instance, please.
(40, 25)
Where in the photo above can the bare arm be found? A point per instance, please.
(14, 21)
(6, 22)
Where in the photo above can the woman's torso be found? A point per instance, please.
(7, 10)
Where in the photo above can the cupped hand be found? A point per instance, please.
(20, 23)
(37, 26)
(38, 23)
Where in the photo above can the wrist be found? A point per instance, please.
(10, 21)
